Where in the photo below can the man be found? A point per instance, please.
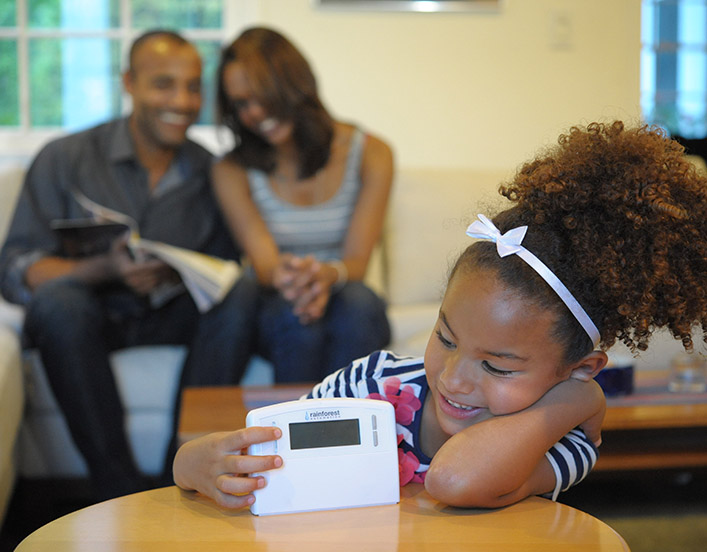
(80, 309)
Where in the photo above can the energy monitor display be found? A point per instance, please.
(338, 433)
(337, 453)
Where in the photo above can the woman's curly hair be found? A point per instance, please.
(620, 216)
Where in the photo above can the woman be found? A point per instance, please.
(305, 196)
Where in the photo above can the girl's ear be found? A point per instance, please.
(589, 366)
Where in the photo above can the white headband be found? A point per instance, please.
(509, 244)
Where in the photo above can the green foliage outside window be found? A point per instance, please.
(7, 13)
(95, 14)
(9, 96)
(75, 77)
(45, 82)
(177, 14)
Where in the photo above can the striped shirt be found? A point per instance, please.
(320, 229)
(402, 381)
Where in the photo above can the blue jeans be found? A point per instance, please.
(354, 325)
(75, 327)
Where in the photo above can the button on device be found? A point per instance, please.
(375, 438)
(374, 421)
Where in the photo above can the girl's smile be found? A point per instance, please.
(458, 410)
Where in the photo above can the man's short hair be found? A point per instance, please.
(140, 40)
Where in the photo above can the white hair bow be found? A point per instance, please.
(506, 244)
(510, 244)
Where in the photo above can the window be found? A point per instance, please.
(674, 65)
(61, 60)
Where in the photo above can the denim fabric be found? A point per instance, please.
(355, 324)
(75, 326)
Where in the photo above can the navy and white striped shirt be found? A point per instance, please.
(402, 381)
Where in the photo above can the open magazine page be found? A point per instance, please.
(208, 279)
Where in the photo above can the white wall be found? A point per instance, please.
(468, 89)
(461, 90)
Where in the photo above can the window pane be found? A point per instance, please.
(692, 90)
(73, 14)
(9, 100)
(75, 82)
(210, 51)
(177, 14)
(7, 13)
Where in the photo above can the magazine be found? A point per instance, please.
(208, 279)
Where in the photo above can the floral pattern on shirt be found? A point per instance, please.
(405, 403)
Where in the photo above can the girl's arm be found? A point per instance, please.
(230, 183)
(217, 465)
(502, 460)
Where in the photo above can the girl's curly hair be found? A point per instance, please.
(620, 216)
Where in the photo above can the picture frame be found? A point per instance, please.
(427, 6)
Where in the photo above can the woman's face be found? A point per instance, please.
(250, 111)
(491, 352)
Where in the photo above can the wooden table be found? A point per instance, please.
(654, 428)
(208, 409)
(172, 520)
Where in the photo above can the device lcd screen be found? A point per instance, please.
(330, 433)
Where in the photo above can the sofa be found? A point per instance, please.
(12, 401)
(423, 234)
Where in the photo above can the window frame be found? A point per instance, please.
(18, 144)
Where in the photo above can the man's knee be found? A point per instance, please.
(59, 304)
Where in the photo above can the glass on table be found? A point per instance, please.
(688, 373)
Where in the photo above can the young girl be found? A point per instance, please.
(605, 240)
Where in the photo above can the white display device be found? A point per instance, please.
(337, 453)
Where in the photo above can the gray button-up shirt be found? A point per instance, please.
(101, 163)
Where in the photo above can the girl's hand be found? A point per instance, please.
(217, 465)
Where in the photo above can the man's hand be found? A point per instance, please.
(141, 276)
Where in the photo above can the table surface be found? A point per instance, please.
(175, 520)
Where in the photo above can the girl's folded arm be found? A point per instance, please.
(502, 460)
